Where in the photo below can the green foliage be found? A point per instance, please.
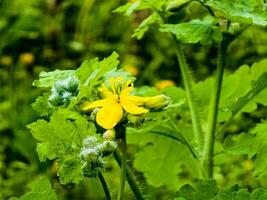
(144, 26)
(62, 138)
(208, 190)
(48, 79)
(194, 31)
(243, 11)
(91, 73)
(41, 190)
(252, 144)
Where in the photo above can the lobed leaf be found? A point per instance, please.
(243, 11)
(62, 138)
(208, 190)
(41, 190)
(48, 79)
(194, 31)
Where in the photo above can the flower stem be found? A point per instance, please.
(104, 185)
(130, 178)
(123, 165)
(189, 95)
(208, 152)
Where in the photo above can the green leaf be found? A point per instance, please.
(91, 73)
(129, 8)
(70, 170)
(243, 11)
(41, 105)
(48, 79)
(241, 91)
(62, 139)
(208, 190)
(163, 142)
(41, 190)
(205, 189)
(253, 144)
(194, 31)
(144, 26)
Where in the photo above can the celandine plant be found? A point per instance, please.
(88, 111)
(92, 110)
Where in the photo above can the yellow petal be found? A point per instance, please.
(138, 100)
(90, 105)
(126, 92)
(104, 91)
(87, 106)
(109, 115)
(132, 108)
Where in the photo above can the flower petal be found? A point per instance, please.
(87, 106)
(109, 115)
(104, 91)
(132, 108)
(138, 100)
(90, 105)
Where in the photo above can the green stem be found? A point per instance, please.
(104, 185)
(208, 153)
(82, 20)
(123, 165)
(130, 178)
(190, 97)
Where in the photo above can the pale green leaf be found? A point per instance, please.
(194, 31)
(48, 79)
(243, 11)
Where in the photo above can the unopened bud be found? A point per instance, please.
(109, 134)
(157, 102)
(108, 147)
(234, 28)
(135, 119)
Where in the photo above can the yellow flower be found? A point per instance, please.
(164, 83)
(115, 101)
(131, 69)
(26, 58)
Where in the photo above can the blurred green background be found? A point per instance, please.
(43, 35)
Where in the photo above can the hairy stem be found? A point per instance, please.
(130, 178)
(123, 165)
(104, 185)
(213, 112)
(190, 97)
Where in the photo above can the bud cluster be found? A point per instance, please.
(93, 152)
(63, 91)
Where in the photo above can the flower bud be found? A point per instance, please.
(158, 102)
(109, 134)
(73, 84)
(55, 100)
(234, 28)
(108, 147)
(135, 119)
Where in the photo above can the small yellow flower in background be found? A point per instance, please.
(6, 60)
(131, 69)
(133, 1)
(26, 58)
(115, 101)
(164, 83)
